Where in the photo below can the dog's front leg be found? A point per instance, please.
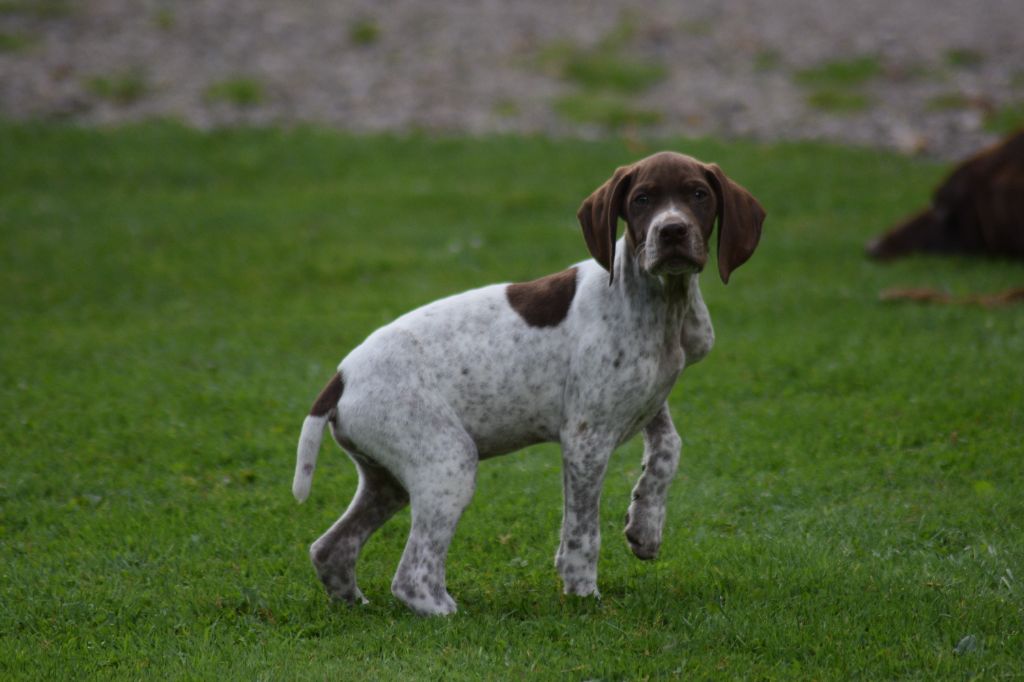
(584, 461)
(698, 335)
(646, 516)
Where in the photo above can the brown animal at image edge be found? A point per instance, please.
(978, 209)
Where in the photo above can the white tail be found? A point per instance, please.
(305, 461)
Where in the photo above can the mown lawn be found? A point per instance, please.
(849, 502)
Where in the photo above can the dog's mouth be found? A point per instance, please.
(674, 251)
(676, 263)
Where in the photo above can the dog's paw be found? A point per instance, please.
(642, 550)
(432, 607)
(578, 578)
(643, 533)
(352, 596)
(424, 599)
(581, 588)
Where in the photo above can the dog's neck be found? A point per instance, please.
(660, 300)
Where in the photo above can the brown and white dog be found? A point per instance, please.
(979, 209)
(585, 357)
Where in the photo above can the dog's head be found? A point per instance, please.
(670, 203)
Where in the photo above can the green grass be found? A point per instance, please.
(605, 67)
(951, 101)
(506, 108)
(122, 89)
(837, 86)
(609, 111)
(16, 42)
(849, 501)
(41, 9)
(165, 19)
(364, 32)
(847, 73)
(1006, 119)
(838, 101)
(964, 58)
(767, 60)
(240, 92)
(604, 79)
(610, 71)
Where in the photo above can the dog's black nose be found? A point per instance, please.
(673, 233)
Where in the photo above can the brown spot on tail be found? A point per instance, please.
(328, 398)
(544, 302)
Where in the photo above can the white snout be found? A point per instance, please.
(674, 245)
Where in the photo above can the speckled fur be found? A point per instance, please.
(467, 377)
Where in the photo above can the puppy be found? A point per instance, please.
(585, 357)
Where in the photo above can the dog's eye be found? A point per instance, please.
(642, 199)
(700, 194)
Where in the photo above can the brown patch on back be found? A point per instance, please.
(328, 398)
(544, 302)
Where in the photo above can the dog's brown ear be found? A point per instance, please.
(740, 218)
(599, 217)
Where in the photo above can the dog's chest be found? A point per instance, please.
(624, 369)
(644, 383)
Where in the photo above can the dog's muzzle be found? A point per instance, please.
(676, 248)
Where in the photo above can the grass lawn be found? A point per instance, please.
(850, 501)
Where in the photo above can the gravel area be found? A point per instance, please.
(926, 74)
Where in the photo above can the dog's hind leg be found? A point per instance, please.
(334, 555)
(441, 484)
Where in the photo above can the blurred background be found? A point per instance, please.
(933, 77)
